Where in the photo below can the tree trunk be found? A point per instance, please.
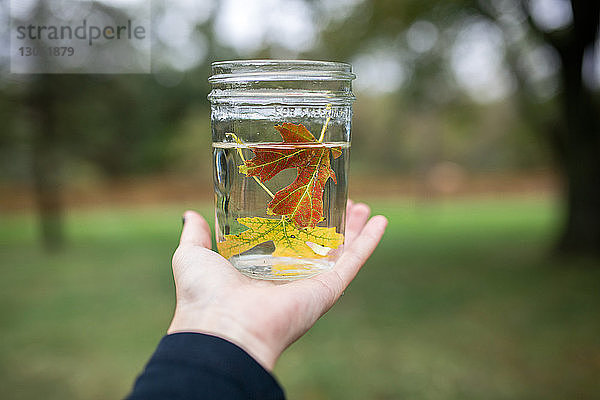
(46, 162)
(578, 142)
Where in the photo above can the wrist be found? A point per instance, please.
(221, 325)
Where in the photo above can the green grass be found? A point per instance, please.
(460, 301)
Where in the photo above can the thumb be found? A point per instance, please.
(196, 231)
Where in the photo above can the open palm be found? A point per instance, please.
(263, 317)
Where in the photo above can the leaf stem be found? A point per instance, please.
(328, 108)
(239, 141)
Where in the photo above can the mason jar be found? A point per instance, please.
(281, 133)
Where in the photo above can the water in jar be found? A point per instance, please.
(257, 237)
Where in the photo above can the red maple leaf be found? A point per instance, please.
(302, 200)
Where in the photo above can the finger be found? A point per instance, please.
(356, 218)
(349, 205)
(195, 230)
(360, 250)
(327, 287)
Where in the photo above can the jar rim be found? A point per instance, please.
(280, 70)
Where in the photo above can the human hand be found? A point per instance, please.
(262, 317)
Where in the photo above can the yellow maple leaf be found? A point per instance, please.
(289, 241)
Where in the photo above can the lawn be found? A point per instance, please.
(460, 301)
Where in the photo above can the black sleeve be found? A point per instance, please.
(198, 366)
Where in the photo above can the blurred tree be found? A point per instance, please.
(576, 136)
(41, 102)
(573, 132)
(120, 124)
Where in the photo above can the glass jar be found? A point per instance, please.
(281, 141)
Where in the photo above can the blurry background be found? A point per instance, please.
(476, 131)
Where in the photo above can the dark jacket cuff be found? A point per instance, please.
(196, 365)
